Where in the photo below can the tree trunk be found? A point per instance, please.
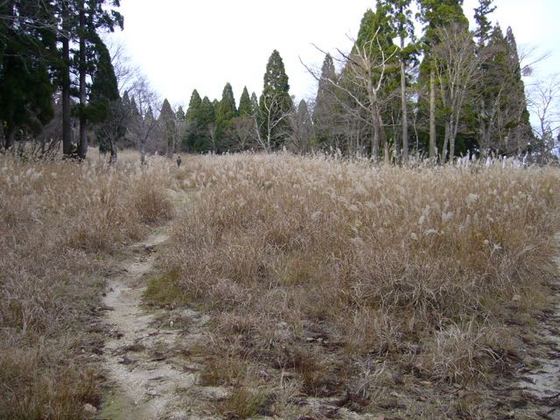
(10, 137)
(446, 141)
(386, 152)
(83, 145)
(404, 110)
(114, 156)
(375, 141)
(66, 117)
(433, 144)
(383, 139)
(143, 151)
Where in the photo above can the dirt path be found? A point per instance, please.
(146, 359)
(541, 380)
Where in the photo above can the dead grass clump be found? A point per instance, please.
(356, 262)
(224, 371)
(244, 403)
(32, 388)
(58, 223)
(466, 352)
(152, 203)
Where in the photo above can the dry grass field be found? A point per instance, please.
(334, 288)
(378, 287)
(60, 223)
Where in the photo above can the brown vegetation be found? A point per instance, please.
(58, 224)
(333, 286)
(346, 279)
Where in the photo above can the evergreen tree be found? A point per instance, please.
(275, 104)
(207, 126)
(207, 114)
(93, 16)
(168, 126)
(245, 105)
(104, 88)
(190, 139)
(400, 18)
(435, 14)
(484, 26)
(200, 125)
(302, 129)
(27, 51)
(502, 116)
(194, 106)
(105, 108)
(130, 110)
(520, 135)
(324, 112)
(367, 81)
(180, 114)
(254, 103)
(225, 111)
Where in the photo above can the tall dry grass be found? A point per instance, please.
(347, 278)
(59, 223)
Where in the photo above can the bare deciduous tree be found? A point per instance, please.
(455, 68)
(268, 122)
(360, 91)
(544, 102)
(126, 72)
(243, 130)
(144, 124)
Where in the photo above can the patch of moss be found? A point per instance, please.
(164, 290)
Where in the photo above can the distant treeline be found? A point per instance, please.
(443, 94)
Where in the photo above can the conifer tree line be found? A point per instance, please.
(441, 94)
(57, 82)
(448, 93)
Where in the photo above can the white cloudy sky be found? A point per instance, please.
(185, 44)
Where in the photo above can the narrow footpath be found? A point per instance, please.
(145, 358)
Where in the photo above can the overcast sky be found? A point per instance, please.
(181, 45)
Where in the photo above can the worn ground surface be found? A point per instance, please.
(152, 374)
(540, 374)
(145, 357)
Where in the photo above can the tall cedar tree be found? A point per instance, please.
(168, 127)
(27, 52)
(194, 106)
(275, 104)
(226, 111)
(401, 19)
(502, 116)
(483, 25)
(190, 140)
(245, 106)
(200, 125)
(105, 108)
(254, 103)
(302, 127)
(324, 112)
(180, 114)
(373, 86)
(207, 125)
(521, 134)
(93, 16)
(435, 14)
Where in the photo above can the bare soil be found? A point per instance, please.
(146, 360)
(153, 374)
(540, 375)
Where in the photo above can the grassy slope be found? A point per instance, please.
(59, 225)
(396, 291)
(388, 288)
